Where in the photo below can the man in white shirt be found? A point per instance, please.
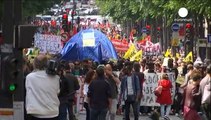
(42, 92)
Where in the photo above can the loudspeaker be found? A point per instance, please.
(24, 36)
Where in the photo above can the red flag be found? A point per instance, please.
(131, 35)
(74, 30)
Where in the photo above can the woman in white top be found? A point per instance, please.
(88, 78)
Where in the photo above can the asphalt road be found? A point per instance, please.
(82, 116)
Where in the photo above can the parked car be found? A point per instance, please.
(47, 18)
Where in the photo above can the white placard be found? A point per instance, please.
(18, 107)
(151, 82)
(6, 48)
(88, 39)
(48, 43)
(165, 61)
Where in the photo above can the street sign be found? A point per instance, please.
(175, 42)
(175, 27)
(183, 20)
(209, 38)
(175, 39)
(144, 30)
(203, 43)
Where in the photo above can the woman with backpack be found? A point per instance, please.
(165, 99)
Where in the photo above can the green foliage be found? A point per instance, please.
(32, 7)
(139, 9)
(1, 9)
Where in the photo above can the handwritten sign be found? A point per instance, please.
(151, 82)
(88, 39)
(150, 50)
(48, 43)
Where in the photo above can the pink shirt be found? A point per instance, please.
(205, 88)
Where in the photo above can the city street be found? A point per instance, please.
(82, 116)
(60, 58)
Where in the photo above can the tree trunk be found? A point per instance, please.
(164, 47)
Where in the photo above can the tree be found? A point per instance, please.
(158, 13)
(33, 7)
(139, 9)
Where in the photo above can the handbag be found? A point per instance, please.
(158, 90)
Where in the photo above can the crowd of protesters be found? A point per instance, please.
(51, 96)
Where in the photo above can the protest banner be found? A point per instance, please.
(48, 43)
(120, 45)
(149, 85)
(149, 49)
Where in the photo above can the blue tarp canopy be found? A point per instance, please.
(89, 44)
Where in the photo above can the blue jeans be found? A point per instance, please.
(163, 111)
(96, 114)
(63, 111)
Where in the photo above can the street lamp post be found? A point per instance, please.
(183, 12)
(73, 13)
(188, 41)
(208, 49)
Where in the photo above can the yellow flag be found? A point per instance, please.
(35, 52)
(130, 52)
(168, 53)
(137, 56)
(177, 55)
(189, 57)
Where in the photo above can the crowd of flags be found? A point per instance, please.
(120, 43)
(187, 58)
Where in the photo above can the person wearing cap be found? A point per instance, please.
(99, 95)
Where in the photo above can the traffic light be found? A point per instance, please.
(158, 32)
(148, 27)
(69, 25)
(188, 27)
(73, 13)
(10, 72)
(53, 23)
(78, 20)
(65, 22)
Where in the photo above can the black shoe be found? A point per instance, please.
(166, 118)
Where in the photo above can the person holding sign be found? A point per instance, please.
(164, 99)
